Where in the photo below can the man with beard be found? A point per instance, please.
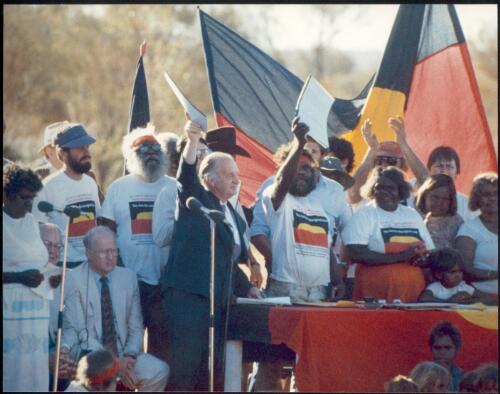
(49, 152)
(71, 186)
(301, 231)
(128, 210)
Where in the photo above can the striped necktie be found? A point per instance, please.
(108, 323)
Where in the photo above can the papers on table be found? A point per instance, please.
(433, 305)
(265, 301)
(313, 107)
(328, 304)
(194, 113)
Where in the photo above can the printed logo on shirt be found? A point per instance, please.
(141, 214)
(80, 225)
(310, 230)
(397, 240)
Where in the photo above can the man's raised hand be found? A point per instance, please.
(193, 130)
(299, 130)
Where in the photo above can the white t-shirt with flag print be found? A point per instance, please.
(62, 191)
(386, 232)
(129, 203)
(301, 236)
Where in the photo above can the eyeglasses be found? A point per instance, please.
(203, 152)
(53, 245)
(148, 148)
(381, 160)
(104, 253)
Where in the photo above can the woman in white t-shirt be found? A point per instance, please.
(477, 239)
(387, 240)
(25, 301)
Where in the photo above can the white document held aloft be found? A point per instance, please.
(313, 106)
(194, 113)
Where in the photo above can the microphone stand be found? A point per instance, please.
(61, 307)
(211, 326)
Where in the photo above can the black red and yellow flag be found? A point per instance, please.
(426, 75)
(255, 94)
(139, 103)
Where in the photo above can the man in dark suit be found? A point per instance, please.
(187, 274)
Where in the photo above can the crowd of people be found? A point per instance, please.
(139, 259)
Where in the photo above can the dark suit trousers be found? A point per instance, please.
(153, 315)
(187, 325)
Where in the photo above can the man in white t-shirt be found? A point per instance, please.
(71, 186)
(301, 237)
(128, 210)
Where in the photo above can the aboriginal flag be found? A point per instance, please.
(139, 103)
(257, 95)
(426, 75)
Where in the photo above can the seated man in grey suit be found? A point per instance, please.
(103, 310)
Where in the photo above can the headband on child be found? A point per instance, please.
(107, 374)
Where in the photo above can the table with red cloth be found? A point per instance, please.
(358, 350)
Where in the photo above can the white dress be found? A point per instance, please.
(25, 310)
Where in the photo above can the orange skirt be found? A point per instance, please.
(389, 282)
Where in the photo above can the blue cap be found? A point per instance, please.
(73, 137)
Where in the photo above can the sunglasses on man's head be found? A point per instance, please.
(143, 148)
(381, 160)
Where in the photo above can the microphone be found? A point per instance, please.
(71, 210)
(196, 206)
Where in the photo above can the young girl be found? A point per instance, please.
(446, 266)
(437, 201)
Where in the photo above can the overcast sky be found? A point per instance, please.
(294, 28)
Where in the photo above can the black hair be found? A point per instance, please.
(443, 260)
(16, 178)
(343, 150)
(392, 173)
(446, 328)
(443, 153)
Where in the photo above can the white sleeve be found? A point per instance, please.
(267, 204)
(345, 213)
(164, 216)
(358, 229)
(107, 209)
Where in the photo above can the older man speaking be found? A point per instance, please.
(186, 280)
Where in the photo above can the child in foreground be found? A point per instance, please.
(450, 287)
